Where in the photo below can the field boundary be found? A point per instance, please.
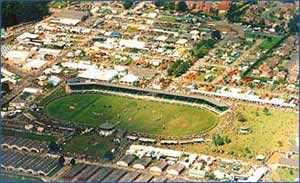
(130, 132)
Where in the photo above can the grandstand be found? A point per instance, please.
(131, 90)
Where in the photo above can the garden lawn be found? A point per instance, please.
(132, 114)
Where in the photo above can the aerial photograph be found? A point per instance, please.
(149, 91)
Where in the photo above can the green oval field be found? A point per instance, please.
(132, 114)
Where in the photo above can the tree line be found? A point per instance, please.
(16, 12)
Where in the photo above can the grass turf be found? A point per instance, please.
(169, 19)
(133, 114)
(284, 175)
(274, 132)
(9, 177)
(89, 144)
(268, 44)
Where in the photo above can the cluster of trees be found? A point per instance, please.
(237, 10)
(54, 147)
(166, 5)
(202, 48)
(233, 14)
(171, 5)
(293, 25)
(219, 140)
(216, 35)
(179, 67)
(127, 4)
(16, 12)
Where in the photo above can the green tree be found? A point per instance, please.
(73, 162)
(127, 4)
(53, 147)
(179, 67)
(16, 12)
(170, 5)
(216, 35)
(231, 12)
(218, 140)
(293, 25)
(108, 156)
(160, 3)
(181, 6)
(266, 111)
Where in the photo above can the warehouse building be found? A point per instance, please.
(129, 177)
(23, 144)
(115, 176)
(100, 174)
(126, 160)
(159, 166)
(175, 169)
(144, 178)
(74, 171)
(28, 163)
(142, 163)
(69, 17)
(87, 173)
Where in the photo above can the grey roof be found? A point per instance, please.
(144, 178)
(29, 161)
(143, 161)
(75, 171)
(100, 174)
(88, 172)
(129, 177)
(289, 162)
(107, 126)
(24, 142)
(116, 175)
(160, 164)
(71, 14)
(177, 167)
(128, 159)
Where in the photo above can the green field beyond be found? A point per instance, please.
(132, 114)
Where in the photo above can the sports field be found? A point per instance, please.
(132, 114)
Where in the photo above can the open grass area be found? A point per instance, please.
(272, 132)
(89, 144)
(169, 19)
(29, 135)
(270, 43)
(132, 29)
(57, 93)
(132, 114)
(9, 177)
(284, 175)
(58, 4)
